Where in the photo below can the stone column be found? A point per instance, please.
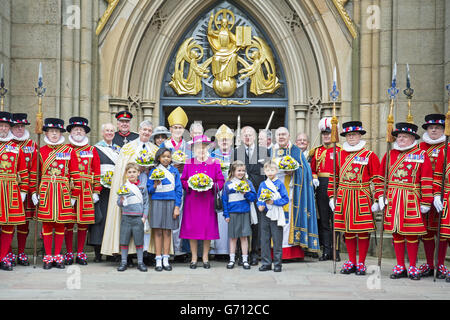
(5, 46)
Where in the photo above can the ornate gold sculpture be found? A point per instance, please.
(224, 102)
(224, 62)
(112, 4)
(193, 83)
(339, 4)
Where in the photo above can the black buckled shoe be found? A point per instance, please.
(159, 268)
(246, 266)
(265, 267)
(122, 267)
(167, 267)
(277, 268)
(230, 265)
(142, 267)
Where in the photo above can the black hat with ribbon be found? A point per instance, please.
(406, 127)
(78, 122)
(6, 117)
(53, 123)
(20, 118)
(434, 118)
(352, 126)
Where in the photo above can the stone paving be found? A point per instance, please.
(305, 280)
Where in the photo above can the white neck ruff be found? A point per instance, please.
(396, 147)
(25, 136)
(79, 144)
(9, 137)
(60, 141)
(427, 139)
(354, 148)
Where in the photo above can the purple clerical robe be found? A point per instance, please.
(199, 217)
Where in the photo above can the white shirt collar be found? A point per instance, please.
(9, 137)
(60, 141)
(426, 138)
(354, 148)
(79, 144)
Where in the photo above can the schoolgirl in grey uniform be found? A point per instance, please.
(166, 197)
(134, 213)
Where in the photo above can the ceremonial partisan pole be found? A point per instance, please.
(334, 94)
(444, 172)
(3, 90)
(392, 91)
(409, 93)
(238, 132)
(40, 91)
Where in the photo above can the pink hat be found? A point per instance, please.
(200, 139)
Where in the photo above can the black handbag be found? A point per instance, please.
(218, 205)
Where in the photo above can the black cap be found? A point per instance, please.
(78, 122)
(54, 123)
(406, 127)
(352, 126)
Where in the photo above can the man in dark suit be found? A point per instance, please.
(254, 157)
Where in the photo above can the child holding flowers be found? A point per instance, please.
(238, 194)
(133, 199)
(164, 186)
(272, 196)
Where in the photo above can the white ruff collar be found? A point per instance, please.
(426, 138)
(25, 136)
(60, 141)
(354, 148)
(9, 137)
(396, 147)
(79, 144)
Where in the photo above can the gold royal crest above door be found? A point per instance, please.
(259, 65)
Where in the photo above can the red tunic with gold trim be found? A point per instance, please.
(437, 186)
(356, 170)
(28, 147)
(57, 166)
(433, 151)
(13, 180)
(410, 185)
(322, 161)
(87, 182)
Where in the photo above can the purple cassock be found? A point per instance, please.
(199, 217)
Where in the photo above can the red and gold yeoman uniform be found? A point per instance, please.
(437, 187)
(14, 179)
(29, 150)
(322, 161)
(86, 182)
(356, 171)
(57, 167)
(410, 185)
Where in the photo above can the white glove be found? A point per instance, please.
(438, 203)
(23, 195)
(316, 182)
(424, 209)
(381, 203)
(72, 201)
(331, 203)
(35, 199)
(375, 207)
(95, 197)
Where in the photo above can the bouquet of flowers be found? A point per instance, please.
(265, 195)
(224, 166)
(106, 179)
(243, 187)
(200, 182)
(145, 159)
(287, 163)
(179, 157)
(123, 191)
(157, 174)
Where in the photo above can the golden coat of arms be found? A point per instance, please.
(259, 65)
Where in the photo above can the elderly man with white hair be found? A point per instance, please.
(128, 153)
(108, 152)
(300, 230)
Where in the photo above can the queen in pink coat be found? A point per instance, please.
(199, 220)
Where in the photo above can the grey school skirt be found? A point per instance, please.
(239, 225)
(161, 215)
